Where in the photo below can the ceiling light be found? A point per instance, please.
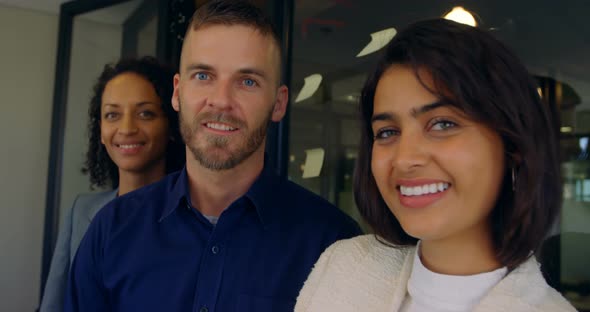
(310, 86)
(566, 129)
(378, 40)
(460, 15)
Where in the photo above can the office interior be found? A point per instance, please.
(53, 50)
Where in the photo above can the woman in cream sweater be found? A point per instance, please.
(458, 176)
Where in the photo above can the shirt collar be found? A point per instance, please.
(178, 195)
(262, 194)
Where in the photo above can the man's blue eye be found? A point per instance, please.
(202, 76)
(249, 82)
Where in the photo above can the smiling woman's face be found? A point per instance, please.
(438, 171)
(133, 125)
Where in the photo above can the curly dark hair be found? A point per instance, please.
(101, 168)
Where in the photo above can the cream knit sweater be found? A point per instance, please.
(362, 274)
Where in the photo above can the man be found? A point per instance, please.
(225, 233)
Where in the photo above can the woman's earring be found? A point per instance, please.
(513, 179)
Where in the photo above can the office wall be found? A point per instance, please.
(27, 63)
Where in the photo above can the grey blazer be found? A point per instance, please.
(72, 230)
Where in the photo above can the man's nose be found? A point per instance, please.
(221, 96)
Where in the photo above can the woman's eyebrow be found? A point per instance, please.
(415, 112)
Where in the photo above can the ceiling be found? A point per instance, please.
(49, 6)
(113, 15)
(551, 37)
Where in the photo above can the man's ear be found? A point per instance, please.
(175, 101)
(280, 106)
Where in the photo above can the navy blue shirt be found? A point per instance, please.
(149, 250)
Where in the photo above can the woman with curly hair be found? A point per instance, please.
(133, 141)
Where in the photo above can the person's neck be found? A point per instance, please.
(212, 191)
(466, 254)
(130, 180)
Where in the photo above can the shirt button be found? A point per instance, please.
(204, 309)
(214, 250)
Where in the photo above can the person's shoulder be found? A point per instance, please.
(149, 193)
(537, 293)
(297, 194)
(354, 274)
(87, 204)
(367, 249)
(525, 289)
(85, 199)
(536, 298)
(145, 201)
(305, 202)
(554, 301)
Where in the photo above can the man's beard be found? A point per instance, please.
(211, 155)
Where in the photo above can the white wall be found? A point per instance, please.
(27, 63)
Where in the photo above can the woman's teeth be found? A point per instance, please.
(424, 189)
(128, 146)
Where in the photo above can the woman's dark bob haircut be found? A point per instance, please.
(98, 165)
(478, 75)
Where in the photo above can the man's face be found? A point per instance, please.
(227, 92)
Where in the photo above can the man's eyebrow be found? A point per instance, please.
(253, 71)
(200, 66)
(246, 70)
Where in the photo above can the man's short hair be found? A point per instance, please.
(235, 12)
